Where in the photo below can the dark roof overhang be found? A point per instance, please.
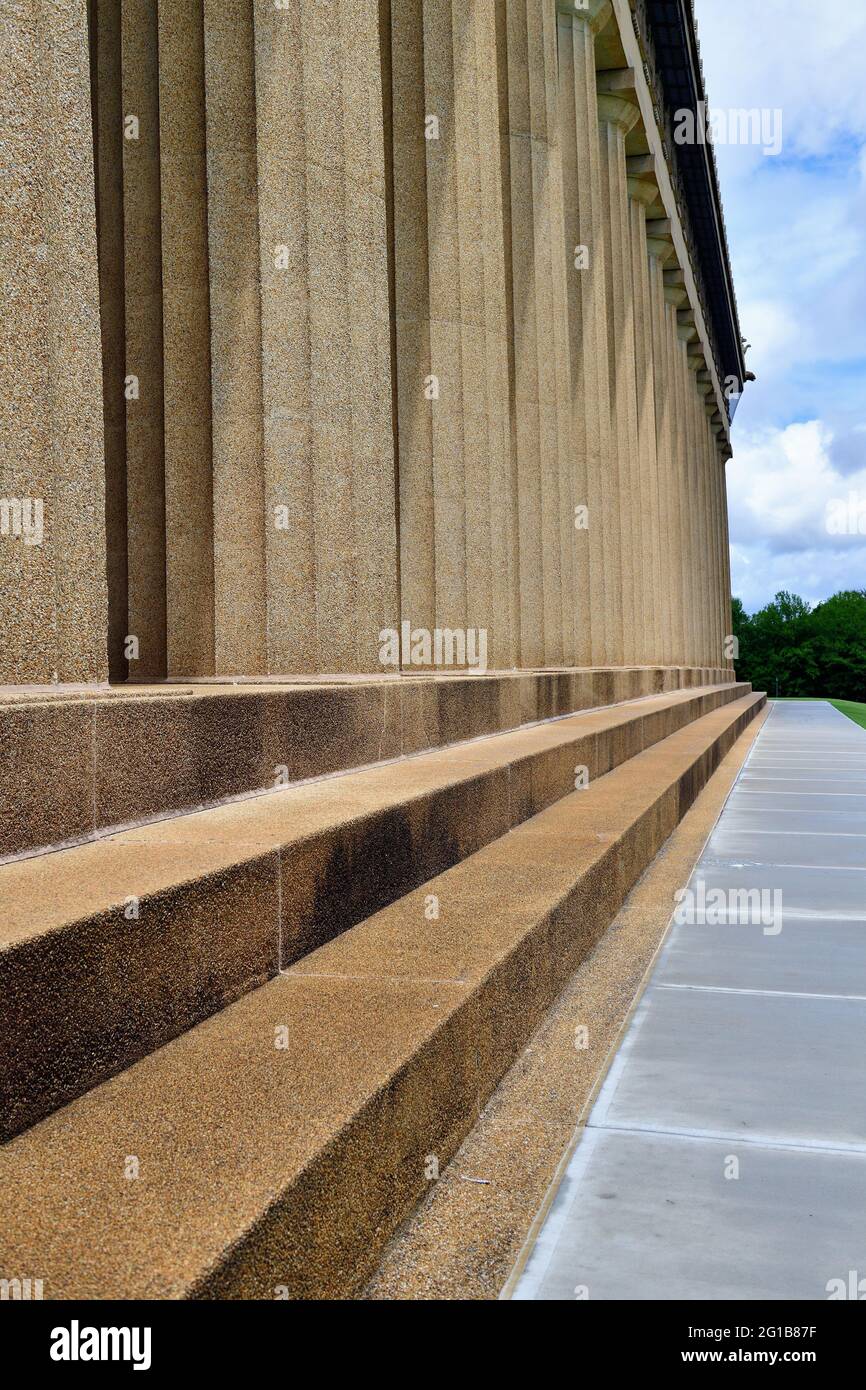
(671, 25)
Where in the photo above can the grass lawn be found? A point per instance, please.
(853, 709)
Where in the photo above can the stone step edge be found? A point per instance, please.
(71, 769)
(272, 1150)
(137, 966)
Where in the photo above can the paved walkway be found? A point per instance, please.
(725, 1156)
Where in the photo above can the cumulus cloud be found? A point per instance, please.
(798, 520)
(797, 231)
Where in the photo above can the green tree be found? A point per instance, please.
(839, 636)
(789, 648)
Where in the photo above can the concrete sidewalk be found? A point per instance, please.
(725, 1155)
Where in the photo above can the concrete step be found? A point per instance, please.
(111, 948)
(273, 1149)
(74, 763)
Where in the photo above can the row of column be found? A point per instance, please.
(544, 494)
(392, 328)
(247, 335)
(660, 488)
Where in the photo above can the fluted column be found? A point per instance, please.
(718, 580)
(712, 469)
(108, 136)
(659, 253)
(542, 410)
(683, 510)
(702, 533)
(239, 521)
(189, 560)
(690, 514)
(714, 597)
(145, 416)
(597, 586)
(52, 590)
(643, 194)
(727, 618)
(695, 536)
(326, 368)
(492, 588)
(457, 488)
(618, 113)
(709, 591)
(587, 318)
(722, 630)
(704, 402)
(699, 556)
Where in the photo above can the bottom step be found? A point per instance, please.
(273, 1149)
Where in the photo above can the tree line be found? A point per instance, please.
(790, 648)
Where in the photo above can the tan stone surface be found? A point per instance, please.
(240, 604)
(108, 161)
(328, 445)
(53, 614)
(288, 252)
(283, 258)
(278, 875)
(76, 762)
(542, 367)
(457, 499)
(584, 284)
(618, 113)
(142, 246)
(188, 464)
(241, 1142)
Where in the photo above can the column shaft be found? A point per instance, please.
(108, 154)
(456, 488)
(53, 591)
(328, 443)
(541, 346)
(584, 259)
(145, 463)
(727, 619)
(678, 509)
(662, 451)
(650, 646)
(617, 114)
(239, 521)
(189, 563)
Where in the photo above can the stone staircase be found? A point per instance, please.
(240, 1041)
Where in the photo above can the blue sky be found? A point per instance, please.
(797, 233)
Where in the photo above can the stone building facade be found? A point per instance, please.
(323, 320)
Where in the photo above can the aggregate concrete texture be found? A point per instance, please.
(117, 924)
(340, 360)
(53, 598)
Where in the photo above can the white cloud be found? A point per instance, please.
(797, 232)
(786, 496)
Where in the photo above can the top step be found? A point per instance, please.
(76, 763)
